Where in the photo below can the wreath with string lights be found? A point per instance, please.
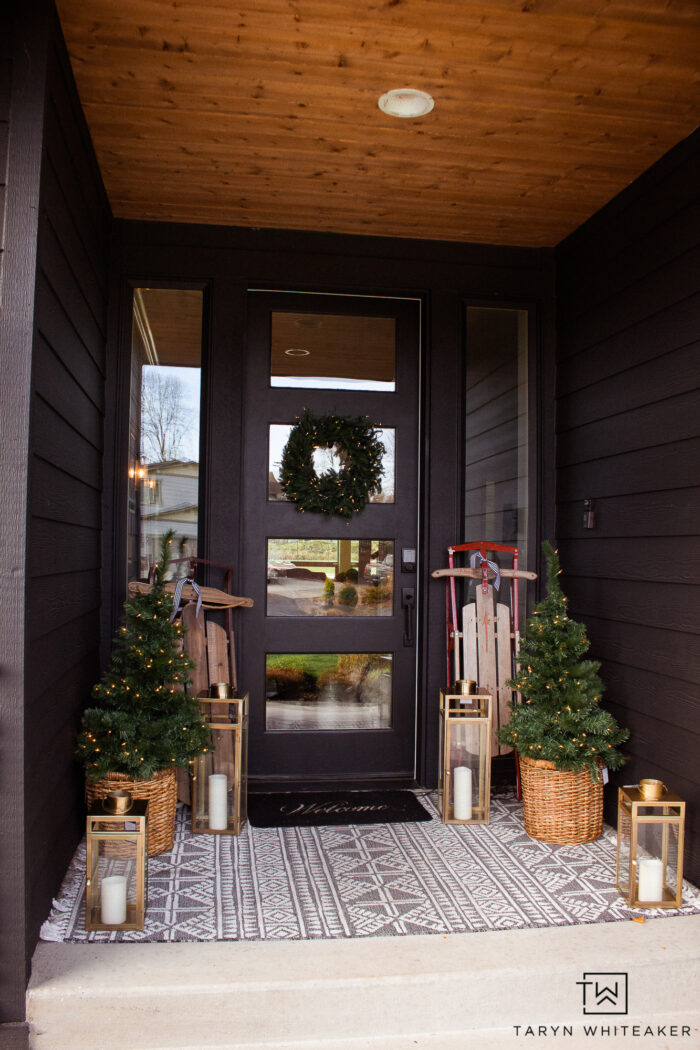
(343, 492)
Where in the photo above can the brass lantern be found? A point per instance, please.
(650, 845)
(465, 758)
(220, 775)
(116, 891)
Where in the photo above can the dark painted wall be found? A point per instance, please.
(53, 329)
(23, 113)
(628, 437)
(65, 478)
(5, 75)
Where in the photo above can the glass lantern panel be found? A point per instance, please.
(624, 842)
(114, 881)
(657, 860)
(466, 755)
(243, 804)
(217, 783)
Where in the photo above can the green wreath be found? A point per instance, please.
(346, 491)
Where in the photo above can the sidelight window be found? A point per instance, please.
(164, 428)
(497, 446)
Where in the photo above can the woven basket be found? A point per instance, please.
(160, 791)
(560, 806)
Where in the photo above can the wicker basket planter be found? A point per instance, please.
(160, 791)
(560, 806)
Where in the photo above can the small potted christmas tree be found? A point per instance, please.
(563, 737)
(144, 725)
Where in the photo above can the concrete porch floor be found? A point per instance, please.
(504, 989)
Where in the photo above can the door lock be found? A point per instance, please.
(408, 559)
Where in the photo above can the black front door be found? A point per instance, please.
(329, 653)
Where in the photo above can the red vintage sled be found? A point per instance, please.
(483, 637)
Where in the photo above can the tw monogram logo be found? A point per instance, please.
(604, 993)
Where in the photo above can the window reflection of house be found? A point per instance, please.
(275, 490)
(172, 503)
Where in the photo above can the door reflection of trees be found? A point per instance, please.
(353, 694)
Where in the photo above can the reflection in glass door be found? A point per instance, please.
(164, 424)
(329, 653)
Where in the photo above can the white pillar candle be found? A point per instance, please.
(651, 879)
(218, 802)
(462, 780)
(113, 900)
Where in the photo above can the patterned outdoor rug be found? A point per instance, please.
(364, 881)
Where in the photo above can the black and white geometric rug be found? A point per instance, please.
(364, 881)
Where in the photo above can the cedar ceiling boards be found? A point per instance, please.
(264, 114)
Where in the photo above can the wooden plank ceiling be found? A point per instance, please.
(264, 113)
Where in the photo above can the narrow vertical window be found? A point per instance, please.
(164, 424)
(497, 427)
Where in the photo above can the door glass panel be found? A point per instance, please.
(321, 691)
(324, 459)
(164, 425)
(333, 351)
(496, 426)
(342, 577)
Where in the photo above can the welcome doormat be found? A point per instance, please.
(304, 809)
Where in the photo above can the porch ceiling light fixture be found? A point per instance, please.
(406, 102)
(297, 351)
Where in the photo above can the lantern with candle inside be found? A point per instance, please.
(219, 774)
(465, 758)
(650, 846)
(116, 890)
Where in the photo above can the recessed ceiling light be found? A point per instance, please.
(406, 102)
(296, 351)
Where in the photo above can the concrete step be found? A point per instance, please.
(507, 989)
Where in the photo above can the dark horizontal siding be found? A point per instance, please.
(59, 443)
(640, 380)
(65, 481)
(68, 646)
(669, 512)
(624, 601)
(628, 437)
(5, 78)
(22, 68)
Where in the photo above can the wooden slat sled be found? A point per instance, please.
(212, 597)
(211, 647)
(483, 636)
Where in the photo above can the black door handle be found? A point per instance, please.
(408, 604)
